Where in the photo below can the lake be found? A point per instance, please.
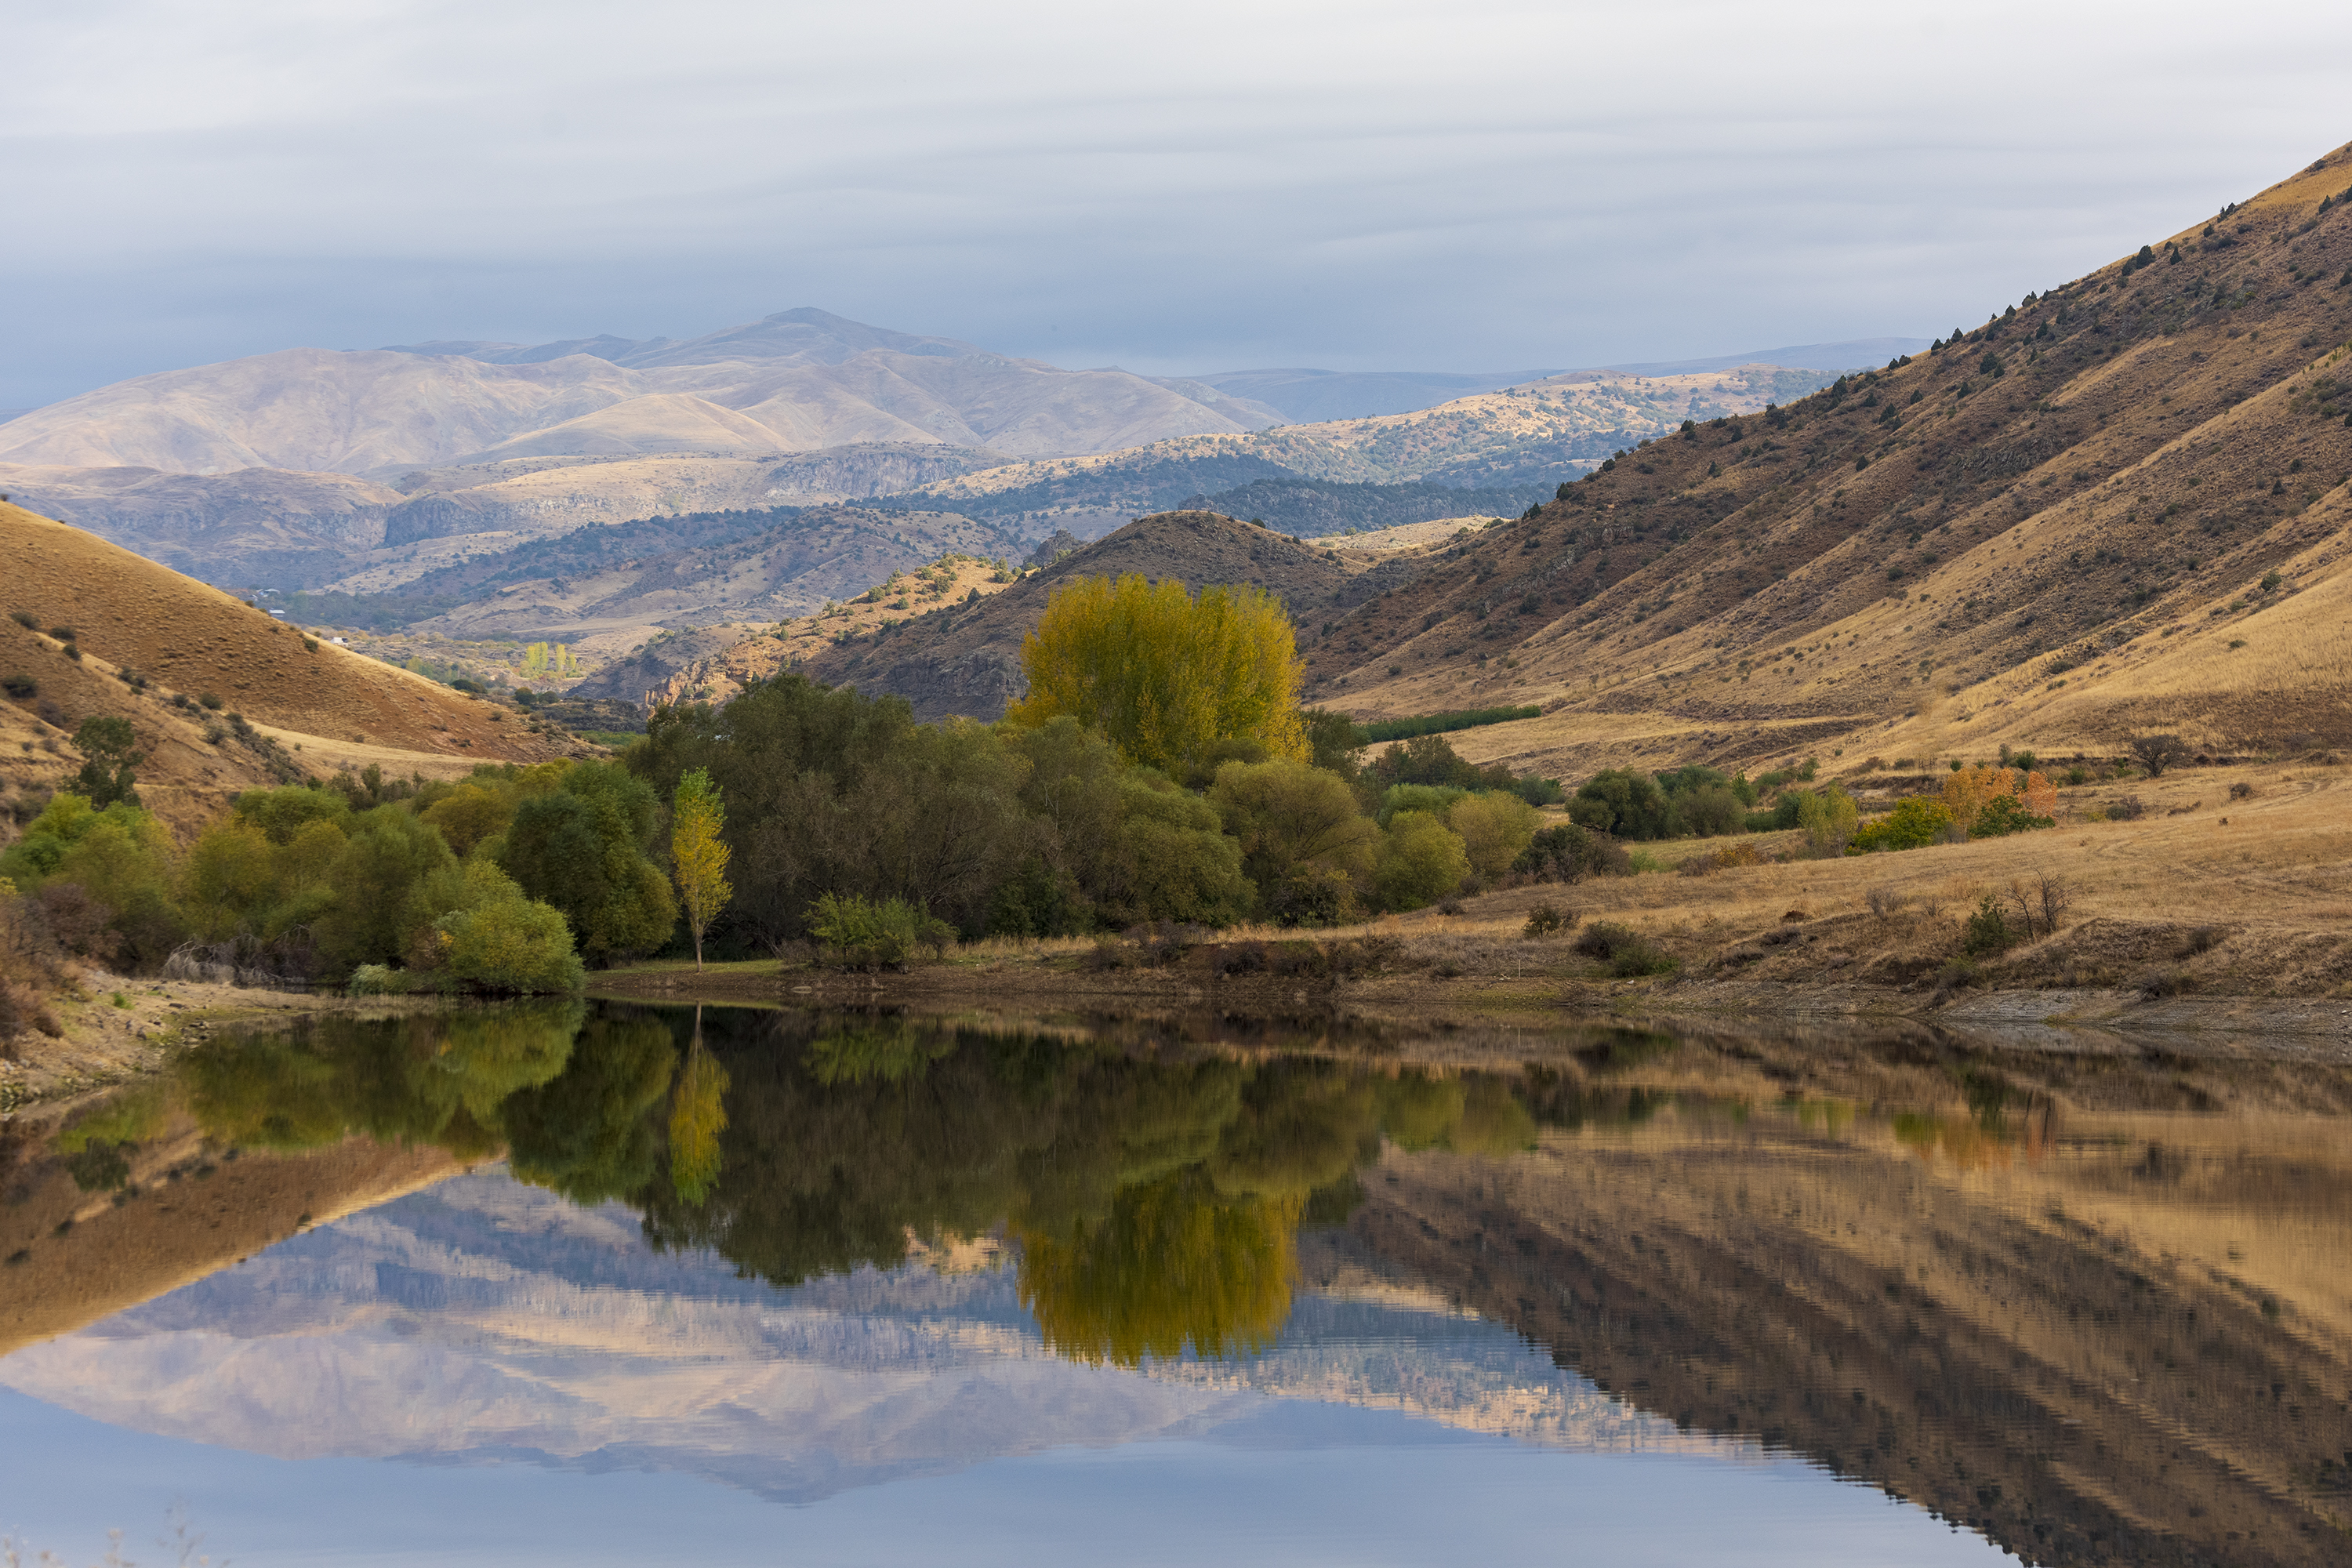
(605, 1283)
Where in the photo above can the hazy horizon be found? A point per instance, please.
(1315, 186)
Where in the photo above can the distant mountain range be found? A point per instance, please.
(372, 471)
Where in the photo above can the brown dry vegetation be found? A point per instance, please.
(1919, 576)
(312, 710)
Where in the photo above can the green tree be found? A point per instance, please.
(1623, 802)
(1165, 675)
(393, 878)
(498, 940)
(583, 849)
(1306, 849)
(699, 853)
(1172, 861)
(109, 749)
(1828, 817)
(1421, 860)
(1494, 828)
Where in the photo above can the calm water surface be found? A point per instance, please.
(630, 1285)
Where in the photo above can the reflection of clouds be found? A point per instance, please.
(485, 1318)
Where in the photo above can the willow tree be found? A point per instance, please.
(1167, 676)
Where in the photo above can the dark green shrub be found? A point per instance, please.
(2002, 815)
(1546, 921)
(1624, 804)
(1569, 853)
(22, 688)
(1988, 932)
(1626, 950)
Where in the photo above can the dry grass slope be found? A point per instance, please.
(132, 616)
(2051, 532)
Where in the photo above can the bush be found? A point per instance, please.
(1546, 921)
(1914, 824)
(22, 688)
(1987, 930)
(863, 933)
(1828, 819)
(2127, 809)
(2002, 815)
(1569, 854)
(377, 980)
(506, 941)
(1624, 804)
(1626, 950)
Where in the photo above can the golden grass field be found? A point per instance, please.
(326, 708)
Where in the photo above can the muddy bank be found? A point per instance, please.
(1456, 979)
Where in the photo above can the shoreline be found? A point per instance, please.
(104, 1045)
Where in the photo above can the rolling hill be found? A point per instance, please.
(144, 635)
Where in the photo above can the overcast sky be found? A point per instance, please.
(1449, 185)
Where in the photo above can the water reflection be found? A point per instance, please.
(2096, 1304)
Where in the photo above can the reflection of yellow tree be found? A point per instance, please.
(1173, 1266)
(698, 1115)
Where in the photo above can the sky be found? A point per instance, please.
(1473, 185)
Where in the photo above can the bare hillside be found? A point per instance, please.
(2117, 505)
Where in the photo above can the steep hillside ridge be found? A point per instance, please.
(130, 616)
(967, 659)
(2049, 530)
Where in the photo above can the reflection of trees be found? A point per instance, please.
(1156, 1201)
(588, 1133)
(1175, 1265)
(436, 1079)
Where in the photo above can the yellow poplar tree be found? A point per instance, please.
(698, 853)
(1163, 674)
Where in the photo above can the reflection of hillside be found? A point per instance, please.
(485, 1318)
(2073, 1351)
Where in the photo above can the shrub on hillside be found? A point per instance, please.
(1626, 950)
(1914, 824)
(1569, 854)
(2004, 815)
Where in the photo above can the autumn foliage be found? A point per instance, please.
(1166, 675)
(1967, 791)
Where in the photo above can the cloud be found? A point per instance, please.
(1481, 184)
